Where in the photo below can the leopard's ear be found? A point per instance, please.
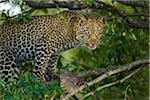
(101, 21)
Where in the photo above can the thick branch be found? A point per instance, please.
(71, 5)
(40, 5)
(133, 3)
(120, 69)
(62, 4)
(81, 5)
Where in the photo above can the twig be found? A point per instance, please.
(126, 67)
(113, 83)
(126, 93)
(138, 14)
(134, 3)
(88, 73)
(137, 24)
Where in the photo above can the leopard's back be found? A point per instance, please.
(21, 37)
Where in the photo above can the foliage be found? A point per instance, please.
(29, 87)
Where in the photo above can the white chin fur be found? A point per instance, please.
(92, 47)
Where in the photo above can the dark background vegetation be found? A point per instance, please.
(125, 39)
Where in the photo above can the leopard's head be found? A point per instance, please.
(88, 29)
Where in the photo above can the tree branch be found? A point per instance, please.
(137, 24)
(113, 83)
(96, 72)
(88, 73)
(94, 5)
(138, 14)
(127, 67)
(70, 5)
(40, 5)
(133, 3)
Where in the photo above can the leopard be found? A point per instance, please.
(42, 39)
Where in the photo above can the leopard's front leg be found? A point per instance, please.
(50, 72)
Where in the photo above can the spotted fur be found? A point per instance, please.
(42, 39)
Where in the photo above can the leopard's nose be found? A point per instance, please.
(92, 46)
